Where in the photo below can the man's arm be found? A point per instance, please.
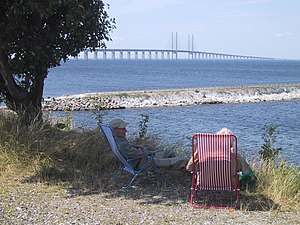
(133, 151)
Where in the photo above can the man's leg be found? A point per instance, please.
(172, 163)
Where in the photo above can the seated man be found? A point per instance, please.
(164, 159)
(246, 175)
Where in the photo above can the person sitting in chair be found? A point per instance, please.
(246, 174)
(163, 159)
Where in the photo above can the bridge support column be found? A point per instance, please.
(149, 54)
(86, 55)
(128, 55)
(113, 56)
(121, 55)
(192, 55)
(136, 55)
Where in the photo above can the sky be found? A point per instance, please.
(264, 28)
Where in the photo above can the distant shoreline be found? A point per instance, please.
(172, 97)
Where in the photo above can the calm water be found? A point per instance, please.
(84, 76)
(179, 123)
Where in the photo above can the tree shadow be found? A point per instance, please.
(174, 189)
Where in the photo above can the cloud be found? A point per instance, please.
(283, 34)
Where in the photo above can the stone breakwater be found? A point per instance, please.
(173, 97)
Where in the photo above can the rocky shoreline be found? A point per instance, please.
(172, 97)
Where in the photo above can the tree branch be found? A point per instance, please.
(10, 83)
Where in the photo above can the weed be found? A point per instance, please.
(268, 150)
(143, 126)
(100, 113)
(66, 122)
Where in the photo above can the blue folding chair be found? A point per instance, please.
(126, 162)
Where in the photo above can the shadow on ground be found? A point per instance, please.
(174, 189)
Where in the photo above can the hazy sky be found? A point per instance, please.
(268, 28)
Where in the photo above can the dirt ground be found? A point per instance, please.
(25, 202)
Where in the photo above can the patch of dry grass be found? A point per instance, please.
(51, 154)
(281, 183)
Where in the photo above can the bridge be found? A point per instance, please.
(165, 54)
(174, 53)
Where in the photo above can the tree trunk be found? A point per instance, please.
(26, 103)
(27, 110)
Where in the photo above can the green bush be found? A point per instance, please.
(269, 151)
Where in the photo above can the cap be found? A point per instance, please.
(118, 123)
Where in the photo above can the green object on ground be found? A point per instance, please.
(247, 179)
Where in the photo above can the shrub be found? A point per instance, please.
(268, 150)
(143, 126)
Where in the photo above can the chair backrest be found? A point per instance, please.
(116, 149)
(217, 162)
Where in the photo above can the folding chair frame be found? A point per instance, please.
(212, 184)
(126, 162)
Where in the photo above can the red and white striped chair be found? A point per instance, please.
(215, 171)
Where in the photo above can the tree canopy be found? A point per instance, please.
(37, 35)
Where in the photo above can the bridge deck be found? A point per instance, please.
(165, 54)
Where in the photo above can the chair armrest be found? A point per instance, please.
(152, 153)
(135, 158)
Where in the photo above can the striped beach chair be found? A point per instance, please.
(215, 171)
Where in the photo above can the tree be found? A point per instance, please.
(36, 35)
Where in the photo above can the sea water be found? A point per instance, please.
(177, 124)
(89, 76)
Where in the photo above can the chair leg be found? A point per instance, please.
(192, 196)
(129, 183)
(238, 201)
(134, 176)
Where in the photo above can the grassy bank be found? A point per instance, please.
(52, 154)
(81, 161)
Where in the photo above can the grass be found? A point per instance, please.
(281, 183)
(52, 154)
(82, 161)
